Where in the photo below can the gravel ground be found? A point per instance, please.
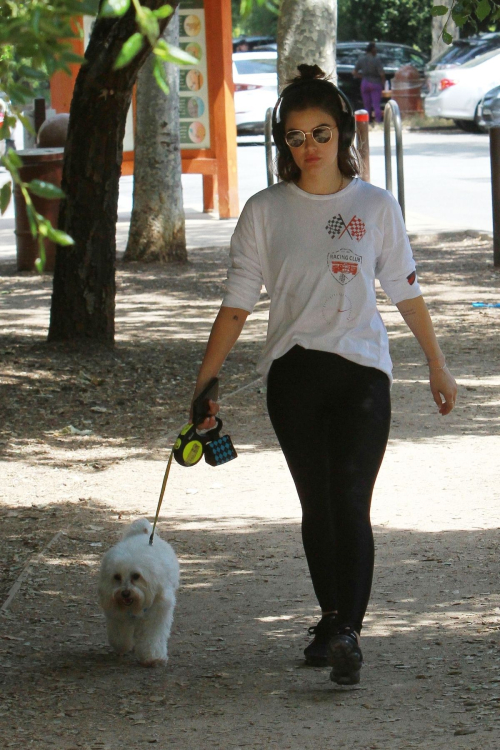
(84, 438)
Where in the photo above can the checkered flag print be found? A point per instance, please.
(356, 228)
(335, 225)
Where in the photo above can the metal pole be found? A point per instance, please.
(362, 119)
(391, 112)
(495, 190)
(268, 138)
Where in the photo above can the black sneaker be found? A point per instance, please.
(316, 652)
(345, 657)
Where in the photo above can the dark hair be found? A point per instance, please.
(370, 46)
(316, 91)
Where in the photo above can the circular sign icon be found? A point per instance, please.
(192, 25)
(194, 49)
(195, 106)
(196, 132)
(194, 80)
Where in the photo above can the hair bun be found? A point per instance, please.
(309, 73)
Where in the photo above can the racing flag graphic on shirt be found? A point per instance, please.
(336, 226)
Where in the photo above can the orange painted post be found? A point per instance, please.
(220, 81)
(209, 192)
(61, 84)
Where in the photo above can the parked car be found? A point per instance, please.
(488, 111)
(455, 93)
(463, 50)
(250, 42)
(255, 81)
(460, 52)
(392, 56)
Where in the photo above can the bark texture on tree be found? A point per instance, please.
(157, 227)
(83, 300)
(307, 33)
(438, 23)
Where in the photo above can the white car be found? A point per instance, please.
(455, 92)
(255, 81)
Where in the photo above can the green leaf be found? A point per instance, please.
(439, 10)
(169, 53)
(161, 77)
(148, 24)
(13, 160)
(164, 12)
(27, 123)
(483, 9)
(31, 220)
(39, 265)
(59, 237)
(114, 8)
(447, 38)
(459, 18)
(130, 49)
(5, 194)
(44, 189)
(27, 72)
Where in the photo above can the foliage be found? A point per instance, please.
(399, 21)
(262, 20)
(35, 42)
(469, 15)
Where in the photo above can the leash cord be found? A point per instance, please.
(162, 492)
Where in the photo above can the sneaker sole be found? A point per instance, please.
(346, 660)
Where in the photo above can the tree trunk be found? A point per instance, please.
(307, 33)
(438, 23)
(157, 227)
(83, 300)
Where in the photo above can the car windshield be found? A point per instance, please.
(395, 57)
(482, 58)
(349, 56)
(251, 67)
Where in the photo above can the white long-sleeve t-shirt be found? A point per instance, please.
(318, 257)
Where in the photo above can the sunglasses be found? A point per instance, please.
(297, 138)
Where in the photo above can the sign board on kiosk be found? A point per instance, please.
(207, 121)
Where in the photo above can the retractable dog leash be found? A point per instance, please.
(191, 446)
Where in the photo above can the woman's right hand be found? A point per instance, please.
(210, 420)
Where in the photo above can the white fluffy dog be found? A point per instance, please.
(137, 585)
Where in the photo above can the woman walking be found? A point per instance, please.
(317, 240)
(369, 68)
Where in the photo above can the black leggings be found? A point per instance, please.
(331, 417)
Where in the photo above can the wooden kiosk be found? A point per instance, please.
(207, 121)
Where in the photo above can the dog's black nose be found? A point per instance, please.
(126, 594)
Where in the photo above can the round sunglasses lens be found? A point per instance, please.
(295, 138)
(322, 134)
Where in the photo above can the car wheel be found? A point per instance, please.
(468, 126)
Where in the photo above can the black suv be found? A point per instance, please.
(392, 56)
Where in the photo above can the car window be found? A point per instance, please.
(251, 67)
(349, 56)
(482, 58)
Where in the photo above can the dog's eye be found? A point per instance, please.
(135, 576)
(117, 577)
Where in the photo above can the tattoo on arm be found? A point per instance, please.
(235, 317)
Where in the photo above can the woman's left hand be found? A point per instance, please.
(444, 389)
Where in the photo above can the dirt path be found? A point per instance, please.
(235, 678)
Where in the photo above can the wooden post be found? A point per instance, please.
(223, 121)
(209, 193)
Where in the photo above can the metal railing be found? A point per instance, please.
(392, 114)
(268, 143)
